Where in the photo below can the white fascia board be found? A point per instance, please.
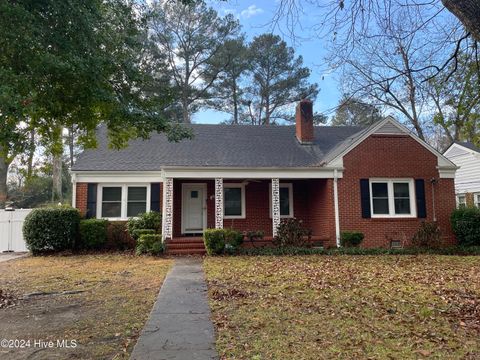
(118, 176)
(249, 173)
(446, 173)
(444, 165)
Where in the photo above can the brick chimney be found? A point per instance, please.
(304, 122)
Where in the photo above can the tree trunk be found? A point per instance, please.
(3, 181)
(57, 178)
(235, 105)
(71, 143)
(468, 12)
(31, 153)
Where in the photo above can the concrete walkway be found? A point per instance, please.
(10, 256)
(179, 326)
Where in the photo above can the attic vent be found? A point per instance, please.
(390, 129)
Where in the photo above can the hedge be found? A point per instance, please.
(51, 229)
(149, 244)
(93, 233)
(466, 225)
(150, 220)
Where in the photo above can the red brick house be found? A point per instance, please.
(381, 180)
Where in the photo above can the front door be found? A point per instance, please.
(193, 208)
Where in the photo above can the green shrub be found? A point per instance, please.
(149, 244)
(214, 240)
(291, 232)
(351, 238)
(466, 225)
(93, 233)
(427, 236)
(233, 238)
(51, 229)
(139, 232)
(118, 237)
(150, 220)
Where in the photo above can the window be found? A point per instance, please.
(476, 199)
(137, 200)
(112, 202)
(461, 201)
(234, 201)
(392, 198)
(122, 201)
(286, 200)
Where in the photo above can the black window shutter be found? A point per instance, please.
(420, 196)
(365, 198)
(155, 197)
(91, 201)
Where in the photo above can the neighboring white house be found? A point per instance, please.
(467, 178)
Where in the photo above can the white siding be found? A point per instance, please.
(467, 178)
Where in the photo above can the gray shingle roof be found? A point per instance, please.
(468, 145)
(217, 146)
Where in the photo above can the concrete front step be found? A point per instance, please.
(188, 251)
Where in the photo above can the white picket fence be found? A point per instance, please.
(11, 234)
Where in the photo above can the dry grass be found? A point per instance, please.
(116, 294)
(346, 307)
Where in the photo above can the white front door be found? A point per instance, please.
(193, 208)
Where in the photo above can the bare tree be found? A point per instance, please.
(457, 101)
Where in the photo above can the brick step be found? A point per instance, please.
(186, 240)
(186, 246)
(188, 251)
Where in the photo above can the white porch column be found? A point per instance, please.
(167, 217)
(218, 203)
(335, 202)
(275, 205)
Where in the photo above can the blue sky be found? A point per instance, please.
(255, 17)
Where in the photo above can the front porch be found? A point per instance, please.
(192, 205)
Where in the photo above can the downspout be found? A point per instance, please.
(74, 190)
(335, 199)
(434, 182)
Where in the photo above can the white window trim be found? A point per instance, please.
(391, 200)
(123, 212)
(242, 192)
(458, 196)
(290, 200)
(476, 199)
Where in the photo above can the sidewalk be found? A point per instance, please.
(179, 326)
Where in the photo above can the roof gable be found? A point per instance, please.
(388, 126)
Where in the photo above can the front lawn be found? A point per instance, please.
(100, 301)
(347, 307)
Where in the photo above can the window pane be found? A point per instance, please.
(402, 206)
(380, 206)
(137, 193)
(112, 194)
(401, 190)
(135, 208)
(111, 209)
(284, 201)
(233, 201)
(380, 190)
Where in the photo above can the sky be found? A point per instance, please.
(256, 16)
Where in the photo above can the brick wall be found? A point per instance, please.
(391, 157)
(257, 201)
(81, 198)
